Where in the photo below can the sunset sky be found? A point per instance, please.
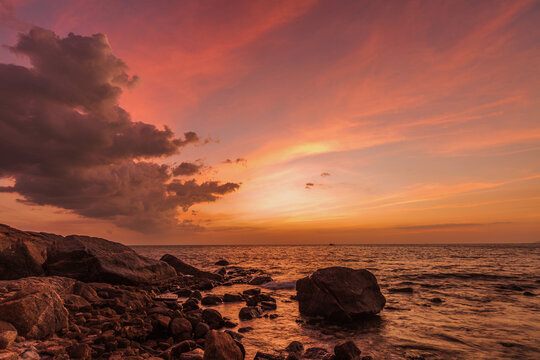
(293, 121)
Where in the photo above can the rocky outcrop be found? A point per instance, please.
(83, 258)
(347, 351)
(339, 294)
(98, 260)
(21, 253)
(186, 269)
(221, 346)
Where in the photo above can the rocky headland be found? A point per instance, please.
(79, 297)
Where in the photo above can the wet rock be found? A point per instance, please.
(236, 336)
(250, 312)
(196, 295)
(184, 293)
(295, 347)
(259, 280)
(80, 351)
(252, 301)
(245, 329)
(436, 300)
(213, 318)
(268, 305)
(316, 353)
(221, 346)
(528, 293)
(186, 269)
(180, 328)
(273, 316)
(253, 291)
(230, 324)
(222, 262)
(211, 300)
(190, 304)
(339, 294)
(201, 330)
(197, 354)
(8, 334)
(228, 298)
(347, 351)
(264, 356)
(37, 310)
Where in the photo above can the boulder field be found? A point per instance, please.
(79, 297)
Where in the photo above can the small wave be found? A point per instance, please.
(280, 285)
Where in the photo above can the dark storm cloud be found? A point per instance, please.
(65, 141)
(309, 185)
(325, 174)
(187, 169)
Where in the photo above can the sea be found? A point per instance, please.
(443, 301)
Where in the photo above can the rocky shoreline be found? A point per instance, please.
(79, 297)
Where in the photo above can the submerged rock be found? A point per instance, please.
(221, 346)
(347, 351)
(222, 262)
(339, 294)
(250, 312)
(186, 269)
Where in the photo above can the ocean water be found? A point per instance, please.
(484, 313)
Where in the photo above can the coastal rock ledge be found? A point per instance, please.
(340, 294)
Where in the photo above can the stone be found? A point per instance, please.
(347, 351)
(250, 312)
(316, 353)
(9, 355)
(180, 328)
(186, 269)
(340, 294)
(221, 346)
(197, 354)
(37, 310)
(213, 318)
(259, 280)
(264, 356)
(295, 347)
(222, 262)
(201, 330)
(253, 291)
(228, 298)
(211, 300)
(8, 334)
(245, 329)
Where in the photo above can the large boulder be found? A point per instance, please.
(21, 253)
(186, 269)
(221, 346)
(340, 294)
(34, 306)
(84, 258)
(8, 334)
(92, 259)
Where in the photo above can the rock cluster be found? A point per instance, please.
(78, 297)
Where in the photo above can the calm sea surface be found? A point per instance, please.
(484, 313)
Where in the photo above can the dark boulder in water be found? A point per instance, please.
(250, 312)
(404, 290)
(340, 294)
(222, 262)
(186, 269)
(259, 280)
(347, 351)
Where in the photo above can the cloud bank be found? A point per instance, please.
(66, 142)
